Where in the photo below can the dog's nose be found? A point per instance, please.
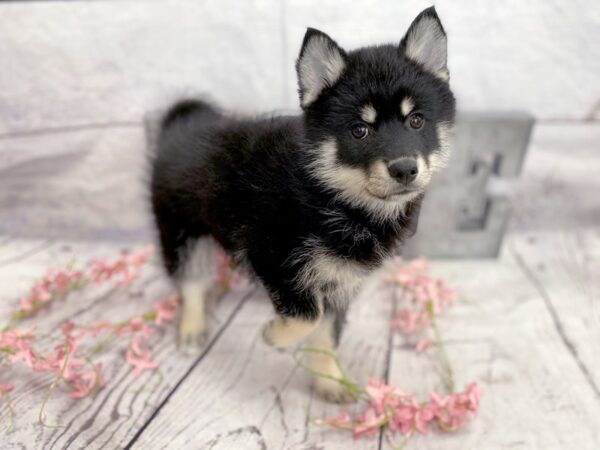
(404, 171)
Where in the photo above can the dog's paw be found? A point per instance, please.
(333, 391)
(268, 334)
(284, 332)
(192, 334)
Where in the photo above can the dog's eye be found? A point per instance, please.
(416, 121)
(360, 131)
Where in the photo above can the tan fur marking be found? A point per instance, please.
(368, 114)
(286, 331)
(406, 106)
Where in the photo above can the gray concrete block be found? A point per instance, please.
(462, 217)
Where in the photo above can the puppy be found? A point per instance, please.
(309, 204)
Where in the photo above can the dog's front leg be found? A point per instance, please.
(322, 358)
(297, 317)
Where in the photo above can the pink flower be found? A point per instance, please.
(87, 382)
(423, 344)
(422, 418)
(383, 395)
(136, 325)
(342, 420)
(389, 406)
(139, 358)
(125, 269)
(165, 310)
(369, 423)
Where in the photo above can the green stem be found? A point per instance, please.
(355, 390)
(51, 389)
(399, 446)
(439, 342)
(100, 346)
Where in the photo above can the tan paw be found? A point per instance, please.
(192, 334)
(333, 391)
(284, 332)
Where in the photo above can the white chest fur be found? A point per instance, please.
(326, 274)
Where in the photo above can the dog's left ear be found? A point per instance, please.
(425, 43)
(319, 66)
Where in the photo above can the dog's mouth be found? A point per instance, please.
(394, 194)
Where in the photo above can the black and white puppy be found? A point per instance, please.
(309, 204)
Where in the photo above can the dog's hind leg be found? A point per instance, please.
(195, 281)
(321, 356)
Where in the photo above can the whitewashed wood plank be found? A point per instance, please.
(18, 250)
(113, 416)
(244, 388)
(501, 334)
(564, 267)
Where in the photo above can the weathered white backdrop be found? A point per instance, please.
(77, 76)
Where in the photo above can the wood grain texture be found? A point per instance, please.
(502, 333)
(113, 416)
(564, 268)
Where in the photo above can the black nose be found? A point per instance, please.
(404, 171)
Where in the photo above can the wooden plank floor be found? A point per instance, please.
(527, 326)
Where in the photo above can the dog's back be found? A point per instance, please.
(211, 169)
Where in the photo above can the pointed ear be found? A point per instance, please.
(425, 43)
(319, 66)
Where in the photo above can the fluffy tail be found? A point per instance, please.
(185, 109)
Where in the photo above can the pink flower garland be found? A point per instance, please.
(401, 412)
(70, 361)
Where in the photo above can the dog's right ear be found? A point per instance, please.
(319, 66)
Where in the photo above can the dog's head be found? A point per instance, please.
(378, 118)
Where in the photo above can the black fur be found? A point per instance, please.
(250, 185)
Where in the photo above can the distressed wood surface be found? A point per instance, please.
(564, 268)
(526, 327)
